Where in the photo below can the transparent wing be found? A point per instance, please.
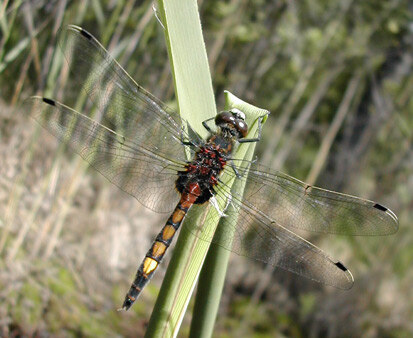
(147, 176)
(256, 222)
(122, 105)
(248, 232)
(295, 204)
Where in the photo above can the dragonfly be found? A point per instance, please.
(140, 145)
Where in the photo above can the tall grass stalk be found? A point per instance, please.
(193, 88)
(195, 97)
(212, 278)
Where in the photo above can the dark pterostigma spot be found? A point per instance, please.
(86, 34)
(341, 266)
(48, 101)
(380, 207)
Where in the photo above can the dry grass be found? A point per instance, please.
(70, 241)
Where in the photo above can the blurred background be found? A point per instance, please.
(336, 76)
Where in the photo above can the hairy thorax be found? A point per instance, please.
(207, 165)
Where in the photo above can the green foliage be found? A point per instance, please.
(29, 311)
(274, 54)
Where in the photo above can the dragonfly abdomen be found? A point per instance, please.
(162, 242)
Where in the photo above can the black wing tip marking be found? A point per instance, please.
(81, 31)
(380, 207)
(49, 101)
(341, 266)
(391, 214)
(348, 284)
(85, 33)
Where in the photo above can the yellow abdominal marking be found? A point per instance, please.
(158, 249)
(177, 216)
(168, 232)
(149, 265)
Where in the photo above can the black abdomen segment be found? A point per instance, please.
(155, 254)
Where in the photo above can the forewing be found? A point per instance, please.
(123, 105)
(148, 176)
(295, 204)
(256, 221)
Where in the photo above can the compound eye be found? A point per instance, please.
(241, 127)
(238, 113)
(234, 118)
(224, 118)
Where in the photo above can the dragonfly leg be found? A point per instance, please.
(241, 173)
(255, 139)
(234, 168)
(204, 123)
(186, 143)
(214, 202)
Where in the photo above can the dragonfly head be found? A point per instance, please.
(232, 122)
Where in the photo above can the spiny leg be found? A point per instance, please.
(255, 139)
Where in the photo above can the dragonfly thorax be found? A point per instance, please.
(211, 157)
(204, 170)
